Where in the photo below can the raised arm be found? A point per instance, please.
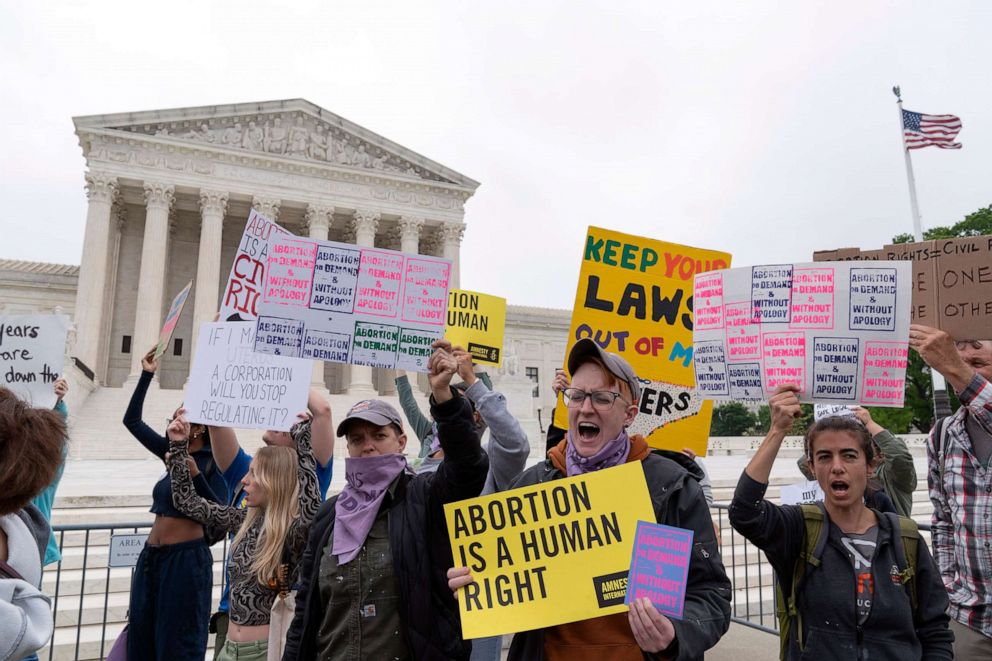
(420, 423)
(898, 460)
(224, 446)
(155, 443)
(321, 428)
(309, 491)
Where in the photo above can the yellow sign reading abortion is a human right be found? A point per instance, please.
(476, 322)
(548, 554)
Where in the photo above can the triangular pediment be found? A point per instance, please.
(294, 128)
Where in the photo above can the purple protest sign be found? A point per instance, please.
(659, 567)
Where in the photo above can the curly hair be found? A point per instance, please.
(31, 445)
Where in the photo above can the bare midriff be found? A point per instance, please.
(174, 530)
(240, 633)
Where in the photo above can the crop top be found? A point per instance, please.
(209, 483)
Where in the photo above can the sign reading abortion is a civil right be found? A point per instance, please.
(548, 554)
(345, 303)
(837, 330)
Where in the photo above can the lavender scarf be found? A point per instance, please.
(612, 454)
(358, 504)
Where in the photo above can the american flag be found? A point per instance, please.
(921, 130)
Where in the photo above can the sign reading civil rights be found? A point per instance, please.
(240, 300)
(659, 567)
(951, 281)
(230, 385)
(634, 298)
(32, 353)
(548, 554)
(476, 323)
(351, 304)
(838, 330)
(171, 319)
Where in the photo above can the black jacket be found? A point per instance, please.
(678, 501)
(826, 597)
(418, 538)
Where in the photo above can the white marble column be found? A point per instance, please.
(318, 219)
(451, 243)
(213, 206)
(101, 190)
(365, 225)
(410, 227)
(267, 206)
(151, 283)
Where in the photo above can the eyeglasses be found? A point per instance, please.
(602, 400)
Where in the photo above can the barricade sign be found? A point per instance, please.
(125, 549)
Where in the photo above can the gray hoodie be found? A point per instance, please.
(25, 612)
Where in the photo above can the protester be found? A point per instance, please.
(44, 500)
(423, 427)
(233, 463)
(886, 608)
(32, 443)
(372, 582)
(282, 497)
(892, 486)
(602, 403)
(958, 457)
(170, 590)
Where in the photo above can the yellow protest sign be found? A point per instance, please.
(476, 322)
(550, 553)
(634, 299)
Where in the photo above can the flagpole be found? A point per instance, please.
(941, 402)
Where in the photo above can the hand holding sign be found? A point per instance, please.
(178, 429)
(653, 631)
(785, 407)
(149, 362)
(938, 350)
(61, 389)
(442, 365)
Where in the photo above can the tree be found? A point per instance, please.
(731, 419)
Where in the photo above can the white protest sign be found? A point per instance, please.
(821, 411)
(230, 385)
(32, 353)
(240, 299)
(125, 549)
(838, 330)
(803, 492)
(352, 304)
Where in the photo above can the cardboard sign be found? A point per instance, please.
(171, 319)
(476, 322)
(230, 385)
(32, 353)
(952, 281)
(351, 304)
(659, 567)
(803, 492)
(634, 298)
(548, 554)
(838, 330)
(125, 549)
(240, 300)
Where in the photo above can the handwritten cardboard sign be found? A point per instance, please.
(171, 319)
(230, 385)
(32, 353)
(476, 322)
(351, 304)
(548, 554)
(634, 298)
(244, 286)
(951, 278)
(659, 567)
(838, 330)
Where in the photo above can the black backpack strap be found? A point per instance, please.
(906, 553)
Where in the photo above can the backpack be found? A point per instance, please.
(940, 438)
(814, 541)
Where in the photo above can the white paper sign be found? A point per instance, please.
(821, 411)
(125, 549)
(241, 295)
(230, 385)
(351, 304)
(803, 492)
(838, 330)
(32, 354)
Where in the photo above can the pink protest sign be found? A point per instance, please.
(659, 567)
(743, 337)
(379, 283)
(290, 272)
(885, 373)
(171, 319)
(812, 298)
(785, 359)
(708, 301)
(426, 293)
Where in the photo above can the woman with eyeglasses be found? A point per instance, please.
(171, 588)
(602, 402)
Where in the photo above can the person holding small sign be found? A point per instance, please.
(854, 583)
(372, 579)
(602, 402)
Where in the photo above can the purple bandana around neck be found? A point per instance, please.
(436, 441)
(358, 504)
(612, 454)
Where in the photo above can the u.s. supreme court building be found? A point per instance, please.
(168, 194)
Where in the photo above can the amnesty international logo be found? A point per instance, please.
(611, 588)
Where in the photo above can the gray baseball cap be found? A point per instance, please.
(375, 411)
(618, 367)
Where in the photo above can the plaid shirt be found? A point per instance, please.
(962, 507)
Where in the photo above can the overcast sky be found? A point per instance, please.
(764, 129)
